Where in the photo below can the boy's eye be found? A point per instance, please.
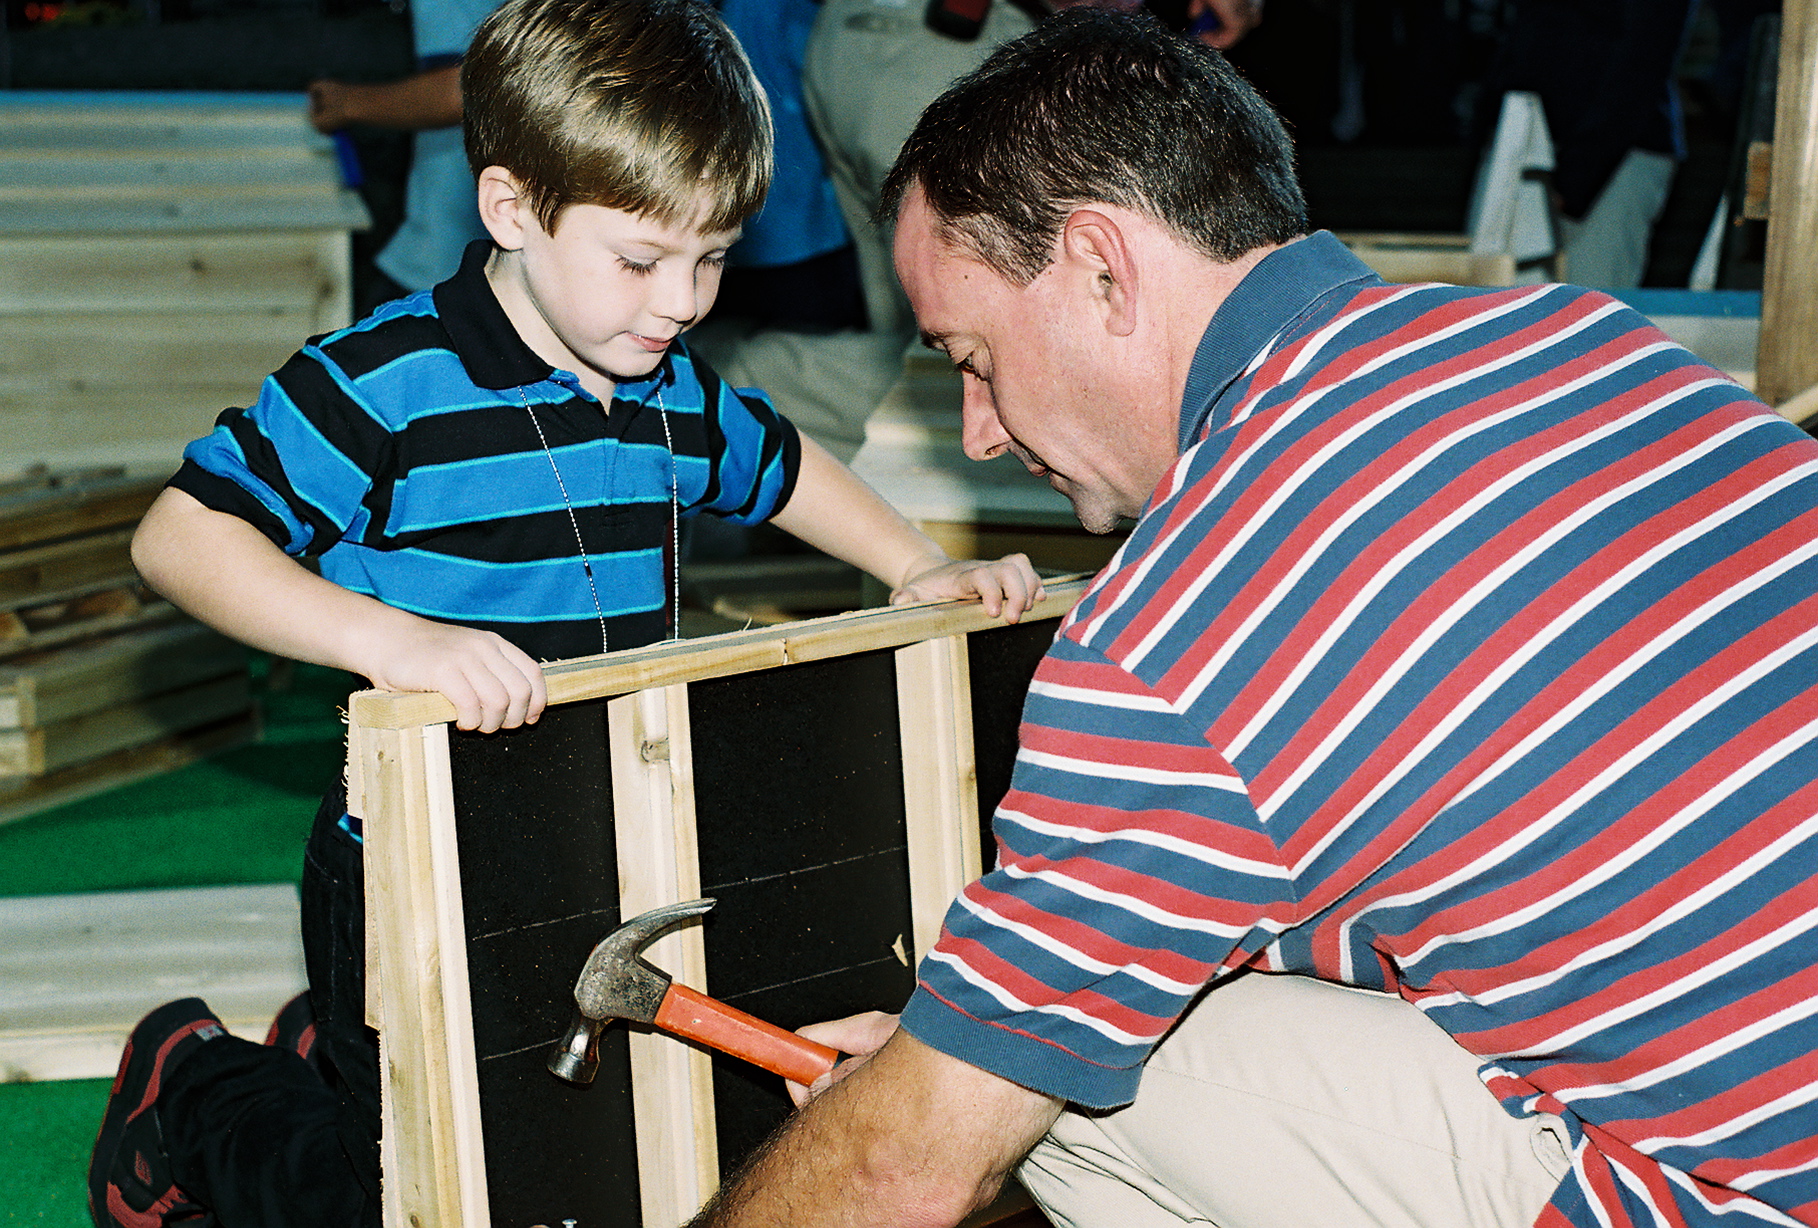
(632, 266)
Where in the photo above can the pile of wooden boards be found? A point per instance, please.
(100, 680)
(159, 255)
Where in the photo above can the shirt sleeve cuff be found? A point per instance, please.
(221, 494)
(1017, 1056)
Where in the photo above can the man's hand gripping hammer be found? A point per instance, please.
(617, 984)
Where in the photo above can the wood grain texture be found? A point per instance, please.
(940, 779)
(720, 656)
(431, 1080)
(659, 863)
(1788, 361)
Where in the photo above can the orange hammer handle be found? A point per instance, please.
(730, 1030)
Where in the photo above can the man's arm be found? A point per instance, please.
(424, 100)
(229, 575)
(832, 509)
(911, 1138)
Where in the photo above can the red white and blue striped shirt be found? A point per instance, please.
(1469, 652)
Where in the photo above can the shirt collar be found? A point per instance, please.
(489, 347)
(1286, 286)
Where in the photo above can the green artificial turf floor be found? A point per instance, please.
(240, 817)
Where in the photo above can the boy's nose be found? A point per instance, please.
(680, 297)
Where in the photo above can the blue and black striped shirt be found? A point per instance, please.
(401, 455)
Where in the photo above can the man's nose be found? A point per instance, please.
(981, 434)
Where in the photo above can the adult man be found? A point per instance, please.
(1458, 666)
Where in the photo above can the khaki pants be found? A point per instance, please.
(1608, 248)
(1286, 1102)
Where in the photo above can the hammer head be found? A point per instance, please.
(616, 984)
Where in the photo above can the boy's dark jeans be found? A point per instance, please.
(253, 1133)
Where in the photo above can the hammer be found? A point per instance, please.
(616, 984)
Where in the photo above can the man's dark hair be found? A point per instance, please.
(1094, 105)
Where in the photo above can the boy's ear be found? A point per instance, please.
(504, 209)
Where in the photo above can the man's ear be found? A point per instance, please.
(504, 209)
(1100, 248)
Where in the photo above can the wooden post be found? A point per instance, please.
(659, 863)
(1788, 362)
(431, 1145)
(940, 780)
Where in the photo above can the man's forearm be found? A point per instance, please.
(914, 1139)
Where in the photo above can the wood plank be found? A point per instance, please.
(1433, 240)
(40, 574)
(74, 969)
(718, 656)
(1801, 408)
(180, 215)
(24, 796)
(940, 780)
(64, 427)
(35, 516)
(659, 863)
(176, 116)
(99, 613)
(404, 859)
(48, 688)
(83, 352)
(456, 1006)
(83, 175)
(1789, 302)
(47, 748)
(1444, 264)
(257, 270)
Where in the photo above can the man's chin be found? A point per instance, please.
(1095, 517)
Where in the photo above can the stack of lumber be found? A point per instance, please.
(159, 254)
(78, 971)
(100, 680)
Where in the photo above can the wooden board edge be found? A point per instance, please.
(659, 863)
(716, 656)
(940, 780)
(423, 1183)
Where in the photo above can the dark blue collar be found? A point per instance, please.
(1286, 287)
(489, 347)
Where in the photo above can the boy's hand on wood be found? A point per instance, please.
(1007, 586)
(492, 683)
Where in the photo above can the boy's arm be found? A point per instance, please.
(226, 573)
(833, 510)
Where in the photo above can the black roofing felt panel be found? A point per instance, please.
(800, 820)
(540, 886)
(798, 786)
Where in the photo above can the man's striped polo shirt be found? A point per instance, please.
(1468, 652)
(401, 455)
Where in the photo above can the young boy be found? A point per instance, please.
(484, 475)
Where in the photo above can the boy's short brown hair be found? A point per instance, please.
(640, 105)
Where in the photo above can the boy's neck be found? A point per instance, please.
(504, 273)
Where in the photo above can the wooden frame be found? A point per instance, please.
(1788, 364)
(418, 999)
